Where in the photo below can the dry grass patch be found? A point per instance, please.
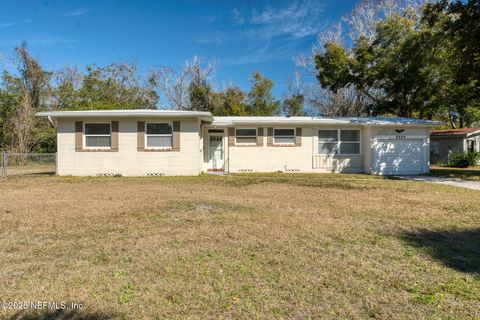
(471, 173)
(246, 246)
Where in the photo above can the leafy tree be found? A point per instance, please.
(22, 96)
(200, 96)
(10, 98)
(234, 102)
(393, 69)
(293, 105)
(458, 26)
(260, 99)
(115, 86)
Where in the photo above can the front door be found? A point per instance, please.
(216, 162)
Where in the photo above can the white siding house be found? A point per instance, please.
(154, 142)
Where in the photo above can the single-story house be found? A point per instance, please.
(443, 143)
(160, 142)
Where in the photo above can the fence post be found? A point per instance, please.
(4, 164)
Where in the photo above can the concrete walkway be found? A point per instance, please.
(474, 185)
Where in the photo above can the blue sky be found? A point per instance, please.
(242, 36)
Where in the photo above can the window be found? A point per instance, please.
(158, 135)
(97, 135)
(283, 136)
(246, 136)
(434, 148)
(471, 145)
(349, 141)
(327, 141)
(343, 142)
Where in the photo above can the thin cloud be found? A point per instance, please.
(76, 12)
(283, 29)
(12, 24)
(266, 53)
(297, 20)
(293, 12)
(40, 41)
(212, 38)
(51, 41)
(7, 24)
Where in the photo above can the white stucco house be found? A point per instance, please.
(160, 142)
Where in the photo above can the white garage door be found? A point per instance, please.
(397, 157)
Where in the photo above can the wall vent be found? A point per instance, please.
(108, 174)
(292, 170)
(155, 174)
(245, 170)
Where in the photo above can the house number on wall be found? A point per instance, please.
(400, 137)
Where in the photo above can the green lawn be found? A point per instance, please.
(244, 246)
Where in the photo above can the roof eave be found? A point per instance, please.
(206, 116)
(448, 135)
(313, 123)
(473, 133)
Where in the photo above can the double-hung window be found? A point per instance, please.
(246, 136)
(97, 135)
(158, 135)
(349, 142)
(284, 136)
(327, 141)
(471, 145)
(342, 142)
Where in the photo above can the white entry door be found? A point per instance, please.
(216, 161)
(397, 157)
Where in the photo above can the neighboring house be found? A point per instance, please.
(159, 142)
(446, 142)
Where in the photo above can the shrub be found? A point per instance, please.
(463, 160)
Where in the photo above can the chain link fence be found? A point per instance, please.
(18, 164)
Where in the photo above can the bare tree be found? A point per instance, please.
(199, 72)
(174, 84)
(346, 102)
(332, 34)
(295, 84)
(69, 74)
(363, 19)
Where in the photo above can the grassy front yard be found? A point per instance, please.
(472, 173)
(254, 246)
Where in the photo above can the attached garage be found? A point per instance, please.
(399, 157)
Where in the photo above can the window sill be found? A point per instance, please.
(160, 150)
(96, 150)
(337, 155)
(246, 145)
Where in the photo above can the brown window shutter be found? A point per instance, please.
(231, 136)
(176, 136)
(141, 135)
(298, 137)
(270, 137)
(114, 136)
(78, 135)
(260, 137)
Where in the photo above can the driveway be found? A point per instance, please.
(474, 185)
